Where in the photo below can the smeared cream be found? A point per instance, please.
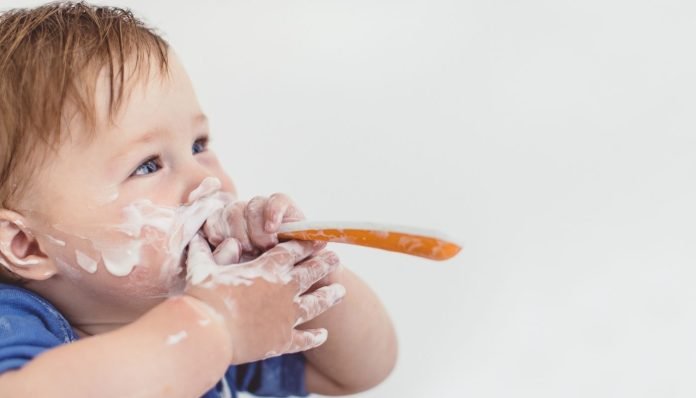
(55, 241)
(277, 266)
(86, 262)
(315, 340)
(274, 267)
(145, 223)
(175, 338)
(105, 195)
(112, 196)
(409, 243)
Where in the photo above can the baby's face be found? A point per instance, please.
(115, 212)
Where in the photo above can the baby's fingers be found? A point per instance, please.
(314, 304)
(229, 223)
(314, 269)
(303, 340)
(199, 262)
(254, 214)
(198, 250)
(280, 208)
(228, 252)
(282, 258)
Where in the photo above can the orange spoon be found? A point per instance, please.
(416, 241)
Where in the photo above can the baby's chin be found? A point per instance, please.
(149, 281)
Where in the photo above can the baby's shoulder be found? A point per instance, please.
(29, 325)
(25, 312)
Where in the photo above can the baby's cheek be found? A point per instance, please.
(71, 255)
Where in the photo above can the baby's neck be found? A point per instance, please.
(84, 313)
(95, 329)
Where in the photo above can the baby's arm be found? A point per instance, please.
(183, 346)
(362, 346)
(135, 360)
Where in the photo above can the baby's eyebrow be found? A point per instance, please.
(141, 139)
(197, 120)
(145, 138)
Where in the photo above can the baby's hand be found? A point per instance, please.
(254, 225)
(261, 302)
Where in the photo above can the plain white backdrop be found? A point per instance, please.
(555, 138)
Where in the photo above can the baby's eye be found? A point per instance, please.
(149, 166)
(201, 145)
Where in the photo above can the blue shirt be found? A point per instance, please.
(30, 325)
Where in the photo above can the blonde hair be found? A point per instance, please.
(51, 56)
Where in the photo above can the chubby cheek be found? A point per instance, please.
(143, 250)
(143, 266)
(159, 271)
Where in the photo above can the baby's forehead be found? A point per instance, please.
(155, 107)
(110, 98)
(106, 102)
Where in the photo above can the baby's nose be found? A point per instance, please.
(206, 187)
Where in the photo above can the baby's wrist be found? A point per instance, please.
(205, 316)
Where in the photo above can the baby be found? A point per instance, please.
(128, 267)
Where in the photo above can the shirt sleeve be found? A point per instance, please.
(29, 325)
(281, 376)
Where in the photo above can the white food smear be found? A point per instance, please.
(175, 338)
(381, 234)
(205, 272)
(112, 196)
(108, 194)
(86, 262)
(178, 225)
(410, 243)
(55, 240)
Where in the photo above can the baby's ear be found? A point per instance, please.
(19, 250)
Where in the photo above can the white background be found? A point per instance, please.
(555, 138)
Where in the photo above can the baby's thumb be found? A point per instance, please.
(228, 252)
(199, 262)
